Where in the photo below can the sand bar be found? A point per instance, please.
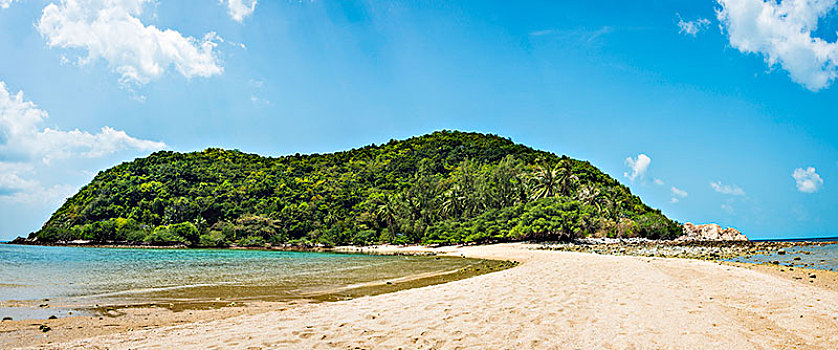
(552, 300)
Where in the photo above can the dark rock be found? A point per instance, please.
(44, 328)
(812, 275)
(7, 318)
(53, 317)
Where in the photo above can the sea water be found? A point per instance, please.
(823, 257)
(72, 277)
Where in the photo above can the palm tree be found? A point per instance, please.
(389, 210)
(453, 203)
(594, 197)
(546, 180)
(565, 178)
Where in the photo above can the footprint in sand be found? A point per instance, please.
(306, 335)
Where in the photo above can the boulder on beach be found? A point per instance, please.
(711, 232)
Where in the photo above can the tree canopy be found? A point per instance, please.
(445, 187)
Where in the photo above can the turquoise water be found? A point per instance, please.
(75, 277)
(823, 257)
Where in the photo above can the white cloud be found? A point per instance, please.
(255, 96)
(728, 209)
(16, 186)
(52, 195)
(807, 180)
(782, 33)
(27, 149)
(677, 194)
(638, 166)
(21, 136)
(259, 101)
(584, 36)
(11, 181)
(542, 32)
(692, 27)
(732, 190)
(659, 182)
(239, 9)
(111, 30)
(4, 4)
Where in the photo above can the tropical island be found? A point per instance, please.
(447, 187)
(538, 240)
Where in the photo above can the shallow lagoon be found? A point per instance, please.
(75, 279)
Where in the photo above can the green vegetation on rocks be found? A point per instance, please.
(445, 187)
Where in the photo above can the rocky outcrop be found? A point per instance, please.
(711, 232)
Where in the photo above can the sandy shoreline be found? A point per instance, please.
(551, 300)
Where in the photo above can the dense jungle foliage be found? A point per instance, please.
(445, 187)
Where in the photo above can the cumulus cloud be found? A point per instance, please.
(23, 138)
(659, 182)
(27, 148)
(732, 190)
(807, 180)
(677, 194)
(637, 166)
(782, 32)
(239, 9)
(111, 30)
(692, 27)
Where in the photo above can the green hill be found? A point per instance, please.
(445, 187)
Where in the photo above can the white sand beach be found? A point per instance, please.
(552, 300)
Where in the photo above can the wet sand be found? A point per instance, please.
(551, 300)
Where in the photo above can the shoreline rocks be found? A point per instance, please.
(690, 249)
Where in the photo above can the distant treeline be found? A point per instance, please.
(445, 187)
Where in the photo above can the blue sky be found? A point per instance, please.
(703, 110)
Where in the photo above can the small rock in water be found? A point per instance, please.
(796, 258)
(7, 318)
(781, 252)
(812, 275)
(43, 305)
(44, 328)
(53, 317)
